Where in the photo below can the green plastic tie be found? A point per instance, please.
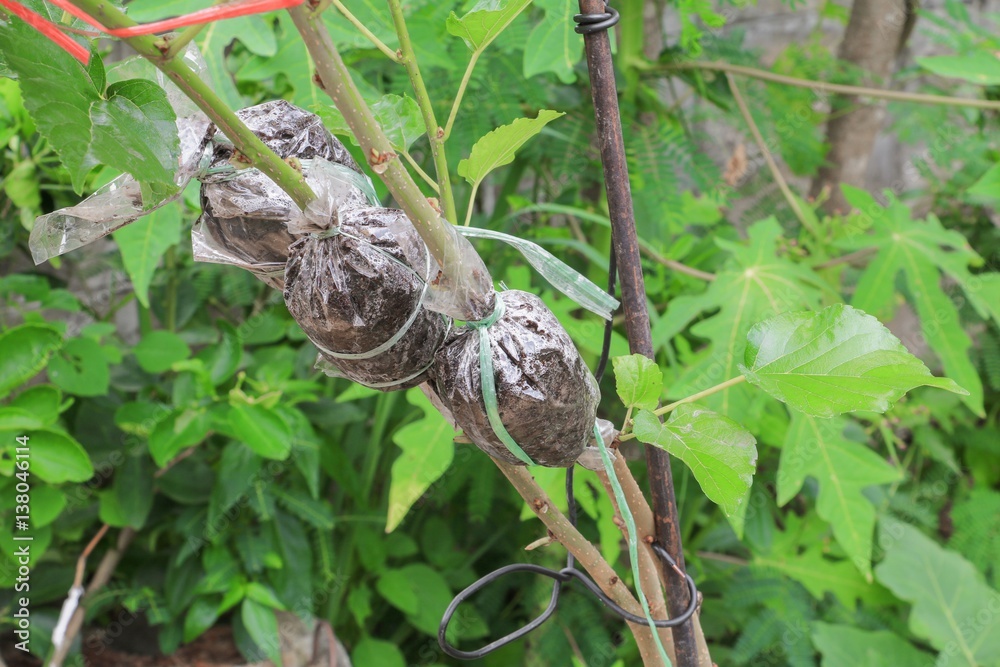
(633, 542)
(488, 382)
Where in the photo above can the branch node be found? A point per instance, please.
(379, 160)
(435, 204)
(318, 81)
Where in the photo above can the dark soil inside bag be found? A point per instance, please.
(350, 296)
(246, 213)
(546, 395)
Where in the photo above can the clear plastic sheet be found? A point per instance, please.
(122, 201)
(463, 290)
(546, 395)
(357, 289)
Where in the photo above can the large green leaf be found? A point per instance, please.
(980, 67)
(833, 361)
(81, 368)
(758, 282)
(721, 453)
(485, 22)
(24, 351)
(184, 428)
(951, 605)
(262, 430)
(159, 350)
(428, 448)
(143, 243)
(129, 126)
(377, 652)
(922, 250)
(638, 381)
(133, 489)
(555, 45)
(843, 468)
(844, 646)
(56, 457)
(499, 146)
(400, 119)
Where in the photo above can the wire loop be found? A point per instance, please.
(588, 24)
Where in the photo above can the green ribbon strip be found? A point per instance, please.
(562, 276)
(633, 542)
(488, 382)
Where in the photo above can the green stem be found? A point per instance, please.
(259, 155)
(379, 44)
(435, 133)
(421, 173)
(336, 81)
(472, 202)
(177, 44)
(827, 87)
(460, 94)
(793, 202)
(701, 394)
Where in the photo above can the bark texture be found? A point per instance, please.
(873, 37)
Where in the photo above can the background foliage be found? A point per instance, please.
(179, 400)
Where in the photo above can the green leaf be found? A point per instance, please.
(398, 590)
(951, 606)
(47, 503)
(427, 449)
(44, 402)
(81, 368)
(159, 350)
(400, 119)
(238, 468)
(844, 646)
(638, 380)
(977, 530)
(756, 283)
(223, 359)
(133, 489)
(499, 146)
(981, 67)
(262, 430)
(834, 361)
(264, 595)
(56, 458)
(359, 601)
(262, 625)
(17, 419)
(377, 652)
(130, 126)
(184, 428)
(214, 42)
(922, 250)
(843, 469)
(721, 453)
(201, 615)
(988, 186)
(143, 243)
(485, 22)
(24, 351)
(555, 45)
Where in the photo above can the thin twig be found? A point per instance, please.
(81, 561)
(793, 202)
(435, 133)
(586, 553)
(379, 44)
(176, 44)
(846, 259)
(101, 577)
(421, 173)
(674, 265)
(460, 94)
(826, 86)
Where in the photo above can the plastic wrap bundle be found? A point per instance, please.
(356, 283)
(123, 200)
(545, 396)
(244, 213)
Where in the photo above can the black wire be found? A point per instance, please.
(587, 24)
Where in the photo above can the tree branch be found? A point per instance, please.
(379, 44)
(585, 552)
